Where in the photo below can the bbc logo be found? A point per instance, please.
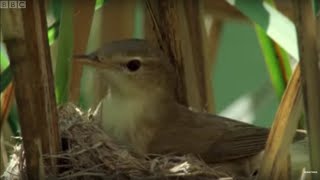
(9, 4)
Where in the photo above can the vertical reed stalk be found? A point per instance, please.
(283, 129)
(178, 31)
(25, 34)
(83, 14)
(309, 57)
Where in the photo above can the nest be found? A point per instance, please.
(89, 153)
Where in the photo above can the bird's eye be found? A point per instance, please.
(133, 65)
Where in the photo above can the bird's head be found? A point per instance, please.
(133, 67)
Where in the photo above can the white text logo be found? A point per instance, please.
(12, 4)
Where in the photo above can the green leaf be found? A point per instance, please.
(53, 32)
(14, 120)
(65, 49)
(55, 7)
(277, 26)
(6, 75)
(272, 62)
(4, 60)
(99, 4)
(316, 7)
(277, 60)
(139, 20)
(5, 79)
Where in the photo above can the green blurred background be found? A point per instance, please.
(240, 70)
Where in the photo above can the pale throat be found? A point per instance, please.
(123, 118)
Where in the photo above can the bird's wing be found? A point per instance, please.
(238, 141)
(215, 139)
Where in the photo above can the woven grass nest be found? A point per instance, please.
(92, 154)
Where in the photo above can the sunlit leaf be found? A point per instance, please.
(53, 32)
(99, 4)
(6, 75)
(272, 62)
(4, 61)
(276, 25)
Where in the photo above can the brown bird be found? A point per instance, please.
(140, 109)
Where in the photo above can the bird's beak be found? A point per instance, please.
(90, 59)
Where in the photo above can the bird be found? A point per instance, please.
(140, 109)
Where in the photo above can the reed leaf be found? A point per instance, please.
(316, 6)
(100, 3)
(277, 60)
(4, 61)
(65, 49)
(277, 26)
(272, 62)
(5, 72)
(53, 32)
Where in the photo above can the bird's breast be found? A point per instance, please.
(125, 121)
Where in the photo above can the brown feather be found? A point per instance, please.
(213, 138)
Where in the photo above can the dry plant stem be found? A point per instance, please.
(307, 38)
(165, 23)
(3, 153)
(285, 8)
(283, 129)
(285, 172)
(25, 34)
(6, 101)
(211, 43)
(177, 27)
(118, 20)
(202, 68)
(83, 14)
(158, 33)
(284, 75)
